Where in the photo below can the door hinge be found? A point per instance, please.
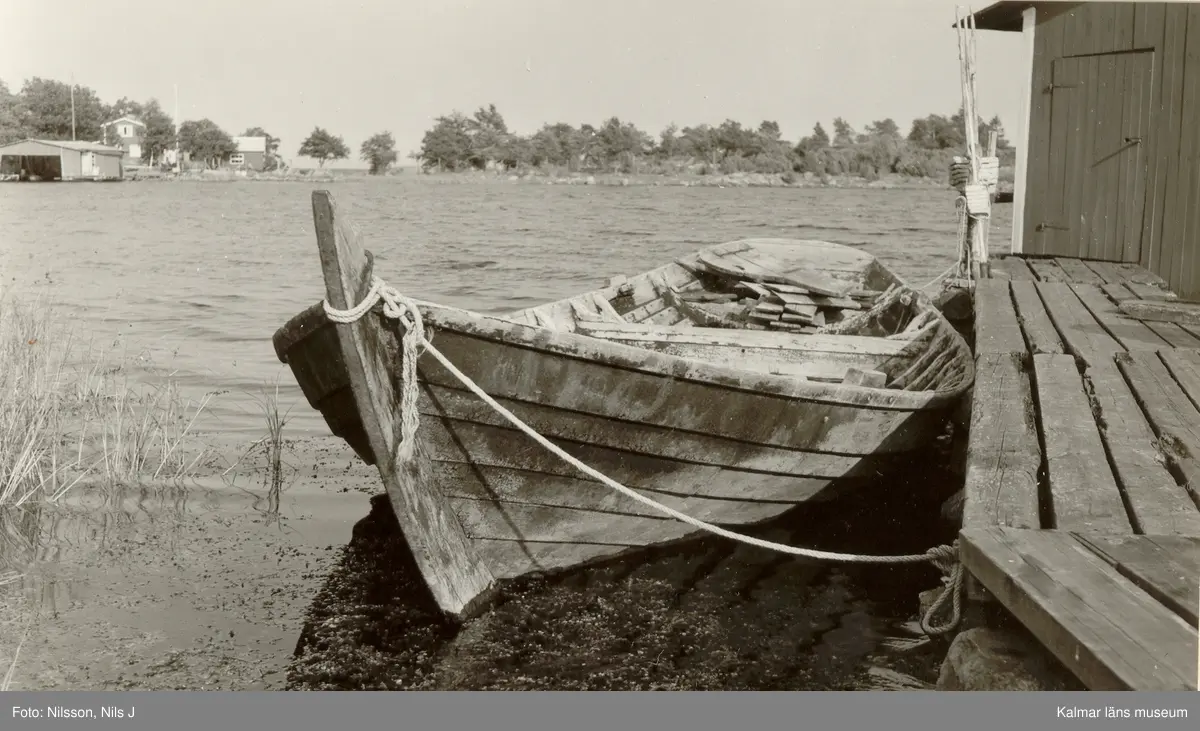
(1051, 87)
(1054, 226)
(1133, 140)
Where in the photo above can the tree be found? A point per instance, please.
(160, 131)
(379, 151)
(843, 133)
(769, 130)
(447, 146)
(48, 103)
(12, 116)
(621, 143)
(489, 136)
(204, 140)
(323, 147)
(1002, 142)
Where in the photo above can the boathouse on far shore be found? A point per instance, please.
(61, 160)
(1108, 147)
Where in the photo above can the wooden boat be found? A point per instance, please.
(732, 423)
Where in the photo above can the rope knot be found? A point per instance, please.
(945, 558)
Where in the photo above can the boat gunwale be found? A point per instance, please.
(569, 344)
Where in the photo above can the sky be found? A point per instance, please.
(357, 68)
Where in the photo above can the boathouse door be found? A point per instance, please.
(1096, 192)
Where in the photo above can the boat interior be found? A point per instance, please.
(809, 309)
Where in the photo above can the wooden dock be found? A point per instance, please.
(1081, 512)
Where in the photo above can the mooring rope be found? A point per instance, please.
(404, 310)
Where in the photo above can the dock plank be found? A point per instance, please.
(1039, 331)
(1105, 629)
(1047, 270)
(1186, 372)
(1012, 267)
(1003, 455)
(997, 329)
(1158, 503)
(1078, 272)
(1174, 334)
(1183, 313)
(1083, 490)
(1172, 416)
(1105, 270)
(1135, 274)
(1166, 567)
(1083, 336)
(1131, 334)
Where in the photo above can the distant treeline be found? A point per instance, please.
(483, 141)
(42, 109)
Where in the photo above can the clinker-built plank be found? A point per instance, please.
(1166, 567)
(1133, 335)
(1105, 629)
(1083, 336)
(1047, 270)
(1083, 491)
(996, 327)
(1039, 331)
(1003, 455)
(1159, 504)
(1078, 272)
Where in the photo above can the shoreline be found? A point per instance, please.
(647, 180)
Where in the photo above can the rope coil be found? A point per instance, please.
(404, 310)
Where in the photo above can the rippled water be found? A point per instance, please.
(197, 276)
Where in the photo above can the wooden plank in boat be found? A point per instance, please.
(795, 298)
(512, 559)
(457, 578)
(741, 338)
(1180, 313)
(768, 308)
(794, 327)
(731, 265)
(1174, 418)
(1129, 333)
(1083, 491)
(1039, 331)
(756, 289)
(1165, 567)
(1078, 272)
(860, 377)
(1158, 504)
(997, 329)
(1003, 454)
(798, 317)
(1104, 628)
(706, 296)
(522, 522)
(1083, 336)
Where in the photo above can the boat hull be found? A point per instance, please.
(721, 452)
(707, 422)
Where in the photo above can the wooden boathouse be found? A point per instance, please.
(64, 160)
(1108, 164)
(1082, 495)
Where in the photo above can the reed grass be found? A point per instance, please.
(72, 413)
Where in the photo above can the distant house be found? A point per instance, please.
(60, 160)
(251, 153)
(128, 134)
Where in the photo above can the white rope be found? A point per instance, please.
(398, 307)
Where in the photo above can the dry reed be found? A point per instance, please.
(71, 413)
